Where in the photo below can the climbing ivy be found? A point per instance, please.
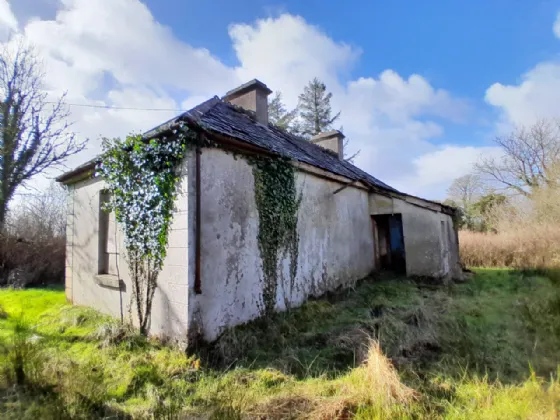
(141, 177)
(277, 204)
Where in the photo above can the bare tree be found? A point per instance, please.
(529, 161)
(466, 190)
(35, 134)
(40, 216)
(347, 157)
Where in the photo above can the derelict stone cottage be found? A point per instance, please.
(348, 224)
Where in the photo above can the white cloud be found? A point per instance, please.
(556, 26)
(121, 38)
(534, 97)
(436, 168)
(8, 21)
(384, 117)
(113, 52)
(388, 119)
(287, 52)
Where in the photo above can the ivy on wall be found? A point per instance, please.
(277, 204)
(142, 178)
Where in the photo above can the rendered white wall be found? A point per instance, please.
(335, 248)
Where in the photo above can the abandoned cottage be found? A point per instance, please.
(348, 224)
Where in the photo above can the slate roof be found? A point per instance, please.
(221, 117)
(218, 116)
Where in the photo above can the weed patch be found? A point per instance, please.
(390, 348)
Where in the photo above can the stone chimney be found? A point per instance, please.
(252, 96)
(331, 140)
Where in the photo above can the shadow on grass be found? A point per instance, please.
(486, 326)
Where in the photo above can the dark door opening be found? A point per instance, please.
(389, 242)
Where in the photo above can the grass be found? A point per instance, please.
(390, 348)
(530, 247)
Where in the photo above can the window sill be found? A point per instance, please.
(108, 280)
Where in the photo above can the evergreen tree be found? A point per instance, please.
(279, 115)
(315, 109)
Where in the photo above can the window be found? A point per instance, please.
(107, 238)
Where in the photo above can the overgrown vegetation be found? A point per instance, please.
(278, 204)
(391, 348)
(142, 176)
(537, 248)
(517, 227)
(32, 245)
(526, 234)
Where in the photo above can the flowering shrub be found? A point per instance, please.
(141, 177)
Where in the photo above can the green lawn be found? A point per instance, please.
(487, 348)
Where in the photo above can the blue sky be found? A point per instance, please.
(453, 43)
(423, 87)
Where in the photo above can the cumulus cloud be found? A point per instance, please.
(389, 120)
(433, 170)
(122, 38)
(534, 97)
(286, 52)
(8, 21)
(113, 52)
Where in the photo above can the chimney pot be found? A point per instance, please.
(331, 140)
(253, 97)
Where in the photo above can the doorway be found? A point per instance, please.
(389, 242)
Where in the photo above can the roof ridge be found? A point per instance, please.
(296, 145)
(202, 108)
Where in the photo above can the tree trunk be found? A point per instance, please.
(3, 212)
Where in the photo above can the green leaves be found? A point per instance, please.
(277, 204)
(141, 179)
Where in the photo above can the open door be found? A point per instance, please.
(389, 242)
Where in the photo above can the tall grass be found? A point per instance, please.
(526, 235)
(391, 348)
(536, 247)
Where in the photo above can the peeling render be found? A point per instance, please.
(336, 246)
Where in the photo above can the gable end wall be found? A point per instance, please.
(85, 287)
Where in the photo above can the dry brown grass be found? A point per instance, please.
(376, 383)
(536, 247)
(528, 235)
